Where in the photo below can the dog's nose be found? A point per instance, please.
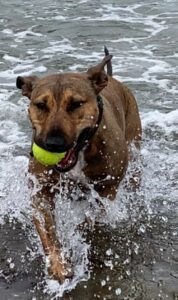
(55, 143)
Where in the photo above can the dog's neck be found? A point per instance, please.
(88, 133)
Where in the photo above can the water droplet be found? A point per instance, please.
(165, 219)
(103, 282)
(142, 229)
(118, 291)
(12, 265)
(109, 252)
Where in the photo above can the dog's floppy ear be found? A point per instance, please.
(26, 84)
(97, 74)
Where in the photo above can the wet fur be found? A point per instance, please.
(107, 152)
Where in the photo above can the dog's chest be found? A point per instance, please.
(77, 173)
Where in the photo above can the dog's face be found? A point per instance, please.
(62, 107)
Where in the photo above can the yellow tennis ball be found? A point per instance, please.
(45, 157)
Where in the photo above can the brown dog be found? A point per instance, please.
(87, 112)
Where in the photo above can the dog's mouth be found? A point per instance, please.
(69, 161)
(71, 157)
(71, 151)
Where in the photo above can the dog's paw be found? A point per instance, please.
(58, 269)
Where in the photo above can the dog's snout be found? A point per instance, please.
(55, 142)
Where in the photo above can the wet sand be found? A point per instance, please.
(134, 268)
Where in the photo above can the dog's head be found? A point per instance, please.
(63, 107)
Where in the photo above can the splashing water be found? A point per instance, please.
(128, 206)
(140, 228)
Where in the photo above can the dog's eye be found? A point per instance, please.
(41, 105)
(75, 105)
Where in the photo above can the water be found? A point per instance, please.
(134, 254)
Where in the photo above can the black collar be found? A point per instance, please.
(89, 132)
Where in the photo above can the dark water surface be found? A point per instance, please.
(134, 255)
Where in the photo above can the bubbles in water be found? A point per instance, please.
(118, 291)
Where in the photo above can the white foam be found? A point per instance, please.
(21, 35)
(14, 185)
(11, 135)
(12, 58)
(59, 18)
(25, 70)
(7, 31)
(166, 121)
(59, 46)
(128, 15)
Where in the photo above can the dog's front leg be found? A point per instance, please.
(43, 217)
(107, 189)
